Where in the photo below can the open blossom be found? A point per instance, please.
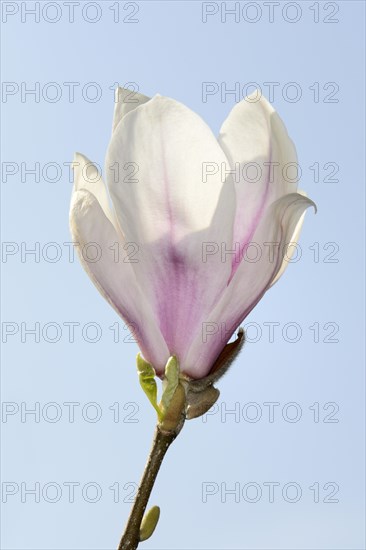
(189, 238)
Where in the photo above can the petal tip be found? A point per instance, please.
(79, 158)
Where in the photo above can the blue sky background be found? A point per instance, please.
(319, 378)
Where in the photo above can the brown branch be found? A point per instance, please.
(161, 443)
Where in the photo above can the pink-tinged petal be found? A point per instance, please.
(126, 100)
(172, 214)
(113, 276)
(258, 147)
(251, 280)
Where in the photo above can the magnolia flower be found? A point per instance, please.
(191, 230)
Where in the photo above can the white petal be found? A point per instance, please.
(126, 100)
(257, 144)
(88, 177)
(251, 280)
(113, 275)
(170, 212)
(291, 244)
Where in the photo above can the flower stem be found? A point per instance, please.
(161, 443)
